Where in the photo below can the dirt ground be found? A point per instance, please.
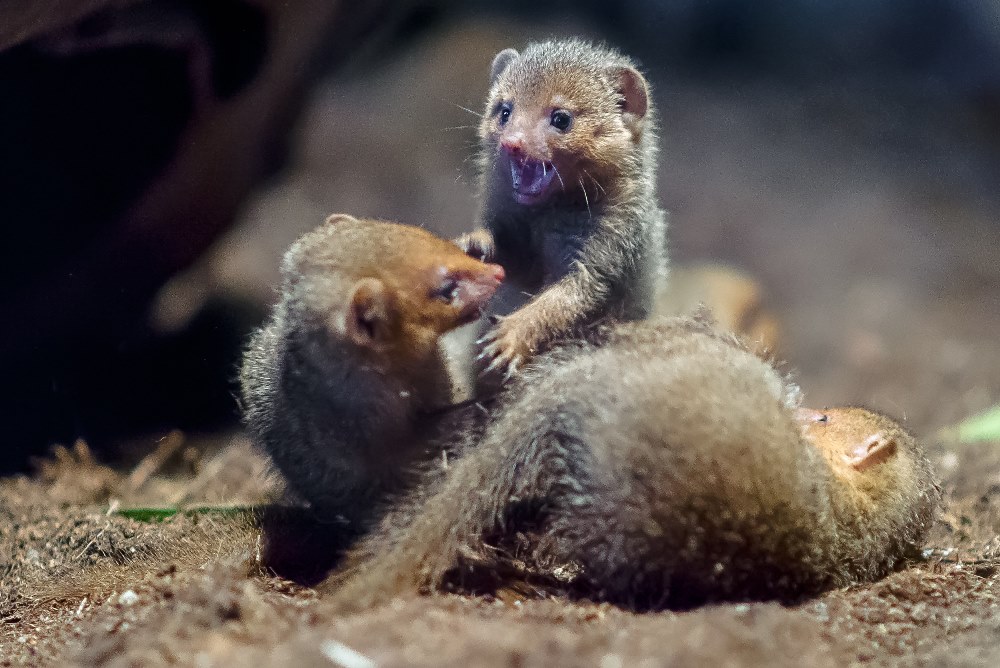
(869, 216)
(85, 587)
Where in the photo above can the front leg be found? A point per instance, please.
(596, 269)
(509, 345)
(531, 330)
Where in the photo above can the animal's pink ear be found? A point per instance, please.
(875, 449)
(368, 321)
(340, 218)
(634, 93)
(500, 63)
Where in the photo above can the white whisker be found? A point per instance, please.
(476, 114)
(585, 198)
(559, 176)
(596, 182)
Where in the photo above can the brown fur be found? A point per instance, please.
(883, 481)
(735, 298)
(685, 479)
(592, 245)
(342, 387)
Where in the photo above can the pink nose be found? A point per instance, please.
(512, 145)
(498, 273)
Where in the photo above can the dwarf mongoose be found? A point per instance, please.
(567, 179)
(665, 466)
(344, 382)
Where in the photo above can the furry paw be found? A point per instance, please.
(477, 244)
(508, 347)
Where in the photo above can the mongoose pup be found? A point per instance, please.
(567, 174)
(343, 383)
(668, 466)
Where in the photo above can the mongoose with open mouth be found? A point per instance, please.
(567, 165)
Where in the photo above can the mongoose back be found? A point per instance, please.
(567, 179)
(343, 381)
(668, 467)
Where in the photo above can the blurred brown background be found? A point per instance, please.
(159, 156)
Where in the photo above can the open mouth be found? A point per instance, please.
(530, 179)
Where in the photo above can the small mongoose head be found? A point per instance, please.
(869, 452)
(384, 291)
(561, 118)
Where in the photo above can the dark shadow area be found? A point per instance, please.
(299, 546)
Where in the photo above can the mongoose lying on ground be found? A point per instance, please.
(667, 466)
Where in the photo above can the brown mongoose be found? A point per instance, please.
(567, 179)
(344, 383)
(666, 466)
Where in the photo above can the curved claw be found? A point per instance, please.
(492, 351)
(488, 337)
(499, 362)
(502, 361)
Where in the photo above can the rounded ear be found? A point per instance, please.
(334, 218)
(500, 63)
(369, 314)
(634, 91)
(874, 450)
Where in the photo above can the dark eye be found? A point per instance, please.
(505, 111)
(810, 415)
(561, 120)
(448, 291)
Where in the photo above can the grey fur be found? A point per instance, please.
(597, 249)
(667, 466)
(348, 425)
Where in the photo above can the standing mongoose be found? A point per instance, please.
(567, 178)
(343, 385)
(667, 466)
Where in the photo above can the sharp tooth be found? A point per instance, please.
(515, 174)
